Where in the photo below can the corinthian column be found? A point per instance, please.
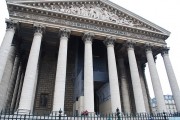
(172, 78)
(113, 77)
(60, 82)
(6, 45)
(88, 73)
(29, 85)
(136, 83)
(124, 86)
(155, 81)
(17, 82)
(6, 81)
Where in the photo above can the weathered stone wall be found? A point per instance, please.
(70, 75)
(46, 78)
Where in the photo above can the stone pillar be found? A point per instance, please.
(141, 65)
(19, 92)
(81, 104)
(6, 46)
(136, 83)
(172, 78)
(14, 97)
(88, 73)
(12, 81)
(6, 82)
(60, 82)
(35, 84)
(124, 86)
(26, 100)
(161, 107)
(113, 77)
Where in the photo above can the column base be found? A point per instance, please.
(23, 112)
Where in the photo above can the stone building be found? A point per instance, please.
(78, 55)
(169, 101)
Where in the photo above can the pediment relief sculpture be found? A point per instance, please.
(94, 11)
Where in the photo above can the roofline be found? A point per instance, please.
(118, 7)
(166, 32)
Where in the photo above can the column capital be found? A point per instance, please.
(88, 37)
(130, 44)
(11, 24)
(148, 47)
(64, 32)
(110, 40)
(165, 51)
(39, 29)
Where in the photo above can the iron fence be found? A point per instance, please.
(11, 115)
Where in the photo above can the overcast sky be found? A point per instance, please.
(165, 13)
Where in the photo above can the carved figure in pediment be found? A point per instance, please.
(98, 12)
(91, 11)
(95, 11)
(66, 9)
(55, 7)
(47, 7)
(127, 22)
(61, 8)
(81, 8)
(105, 14)
(72, 9)
(77, 7)
(113, 17)
(86, 11)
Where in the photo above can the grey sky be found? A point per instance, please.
(164, 13)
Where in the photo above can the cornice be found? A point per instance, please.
(33, 10)
(106, 3)
(166, 32)
(79, 30)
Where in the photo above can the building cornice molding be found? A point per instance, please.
(136, 16)
(37, 10)
(82, 27)
(51, 20)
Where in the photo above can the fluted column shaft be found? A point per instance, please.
(172, 78)
(13, 81)
(6, 46)
(113, 77)
(15, 92)
(19, 92)
(60, 82)
(137, 89)
(26, 99)
(6, 82)
(124, 86)
(155, 81)
(88, 74)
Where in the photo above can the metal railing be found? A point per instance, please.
(11, 115)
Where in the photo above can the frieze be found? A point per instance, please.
(84, 26)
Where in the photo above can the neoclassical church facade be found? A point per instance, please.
(78, 55)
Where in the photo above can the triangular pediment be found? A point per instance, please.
(99, 10)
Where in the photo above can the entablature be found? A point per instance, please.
(93, 12)
(78, 29)
(56, 14)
